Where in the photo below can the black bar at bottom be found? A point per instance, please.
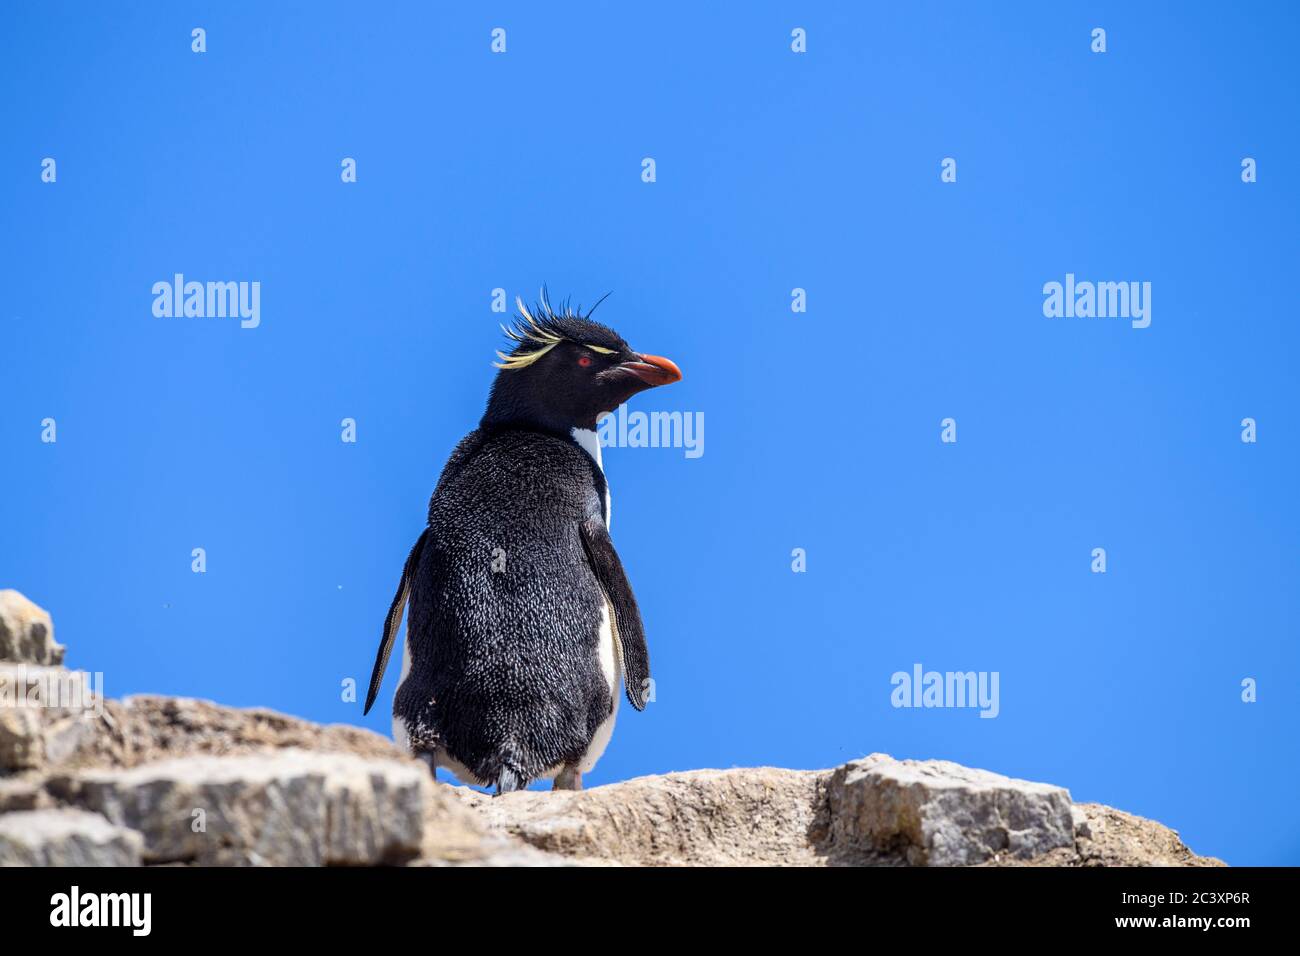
(545, 906)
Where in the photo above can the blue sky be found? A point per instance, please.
(775, 171)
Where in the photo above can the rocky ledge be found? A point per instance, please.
(158, 780)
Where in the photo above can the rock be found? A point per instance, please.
(21, 747)
(21, 795)
(877, 811)
(65, 838)
(47, 715)
(146, 728)
(455, 835)
(762, 816)
(1116, 838)
(85, 780)
(940, 813)
(501, 851)
(283, 808)
(1081, 826)
(26, 632)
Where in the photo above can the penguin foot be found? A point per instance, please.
(570, 778)
(430, 759)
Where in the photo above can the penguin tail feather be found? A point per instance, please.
(507, 774)
(509, 780)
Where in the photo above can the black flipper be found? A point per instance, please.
(627, 618)
(393, 623)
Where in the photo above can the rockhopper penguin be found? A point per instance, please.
(521, 620)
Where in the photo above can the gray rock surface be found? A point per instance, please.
(872, 812)
(21, 745)
(286, 808)
(65, 838)
(939, 813)
(26, 631)
(47, 715)
(142, 729)
(21, 795)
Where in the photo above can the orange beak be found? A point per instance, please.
(655, 370)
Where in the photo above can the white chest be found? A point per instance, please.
(589, 441)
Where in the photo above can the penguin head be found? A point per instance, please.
(566, 370)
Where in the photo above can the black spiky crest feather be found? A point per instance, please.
(534, 333)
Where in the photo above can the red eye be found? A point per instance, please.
(584, 360)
